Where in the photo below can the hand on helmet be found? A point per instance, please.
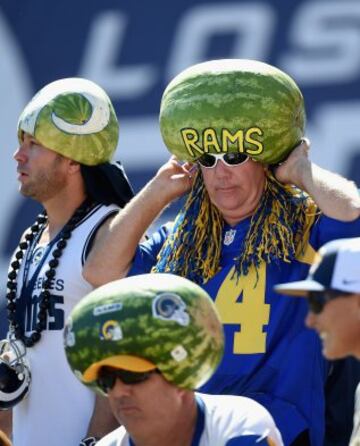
(291, 170)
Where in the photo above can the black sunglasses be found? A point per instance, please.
(318, 299)
(209, 160)
(108, 376)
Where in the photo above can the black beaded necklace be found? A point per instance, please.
(44, 298)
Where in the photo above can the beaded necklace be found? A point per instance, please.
(36, 229)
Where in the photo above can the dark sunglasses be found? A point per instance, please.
(108, 376)
(209, 160)
(317, 299)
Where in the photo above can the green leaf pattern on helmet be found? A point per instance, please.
(161, 318)
(232, 105)
(75, 118)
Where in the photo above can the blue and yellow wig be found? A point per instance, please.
(279, 230)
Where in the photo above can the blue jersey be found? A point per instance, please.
(270, 355)
(221, 421)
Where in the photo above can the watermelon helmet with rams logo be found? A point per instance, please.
(15, 375)
(232, 105)
(142, 323)
(75, 118)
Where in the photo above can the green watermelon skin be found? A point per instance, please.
(145, 336)
(77, 103)
(233, 94)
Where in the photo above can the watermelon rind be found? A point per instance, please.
(196, 330)
(75, 118)
(232, 105)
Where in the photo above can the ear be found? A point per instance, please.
(184, 394)
(74, 167)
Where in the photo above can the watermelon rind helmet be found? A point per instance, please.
(15, 376)
(75, 118)
(232, 105)
(142, 323)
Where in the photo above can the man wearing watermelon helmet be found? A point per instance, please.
(248, 223)
(147, 342)
(332, 290)
(67, 135)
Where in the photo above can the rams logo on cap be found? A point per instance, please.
(170, 307)
(111, 331)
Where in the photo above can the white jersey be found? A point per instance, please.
(355, 437)
(222, 420)
(58, 408)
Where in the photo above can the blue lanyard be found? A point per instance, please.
(27, 286)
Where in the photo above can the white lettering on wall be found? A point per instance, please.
(101, 53)
(325, 39)
(251, 23)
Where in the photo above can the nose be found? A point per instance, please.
(120, 389)
(20, 155)
(310, 319)
(221, 169)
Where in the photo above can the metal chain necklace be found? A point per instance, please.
(15, 330)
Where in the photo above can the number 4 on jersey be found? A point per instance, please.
(251, 314)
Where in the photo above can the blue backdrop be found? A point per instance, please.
(133, 48)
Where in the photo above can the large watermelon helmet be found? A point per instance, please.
(232, 105)
(75, 118)
(142, 323)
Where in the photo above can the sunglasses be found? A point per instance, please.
(108, 376)
(317, 300)
(209, 160)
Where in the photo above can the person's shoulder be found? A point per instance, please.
(102, 212)
(238, 416)
(240, 405)
(96, 219)
(324, 220)
(118, 437)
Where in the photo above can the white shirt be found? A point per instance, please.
(355, 437)
(222, 420)
(58, 408)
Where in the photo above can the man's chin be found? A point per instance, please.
(331, 353)
(129, 417)
(26, 192)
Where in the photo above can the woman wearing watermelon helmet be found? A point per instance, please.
(246, 225)
(67, 135)
(147, 342)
